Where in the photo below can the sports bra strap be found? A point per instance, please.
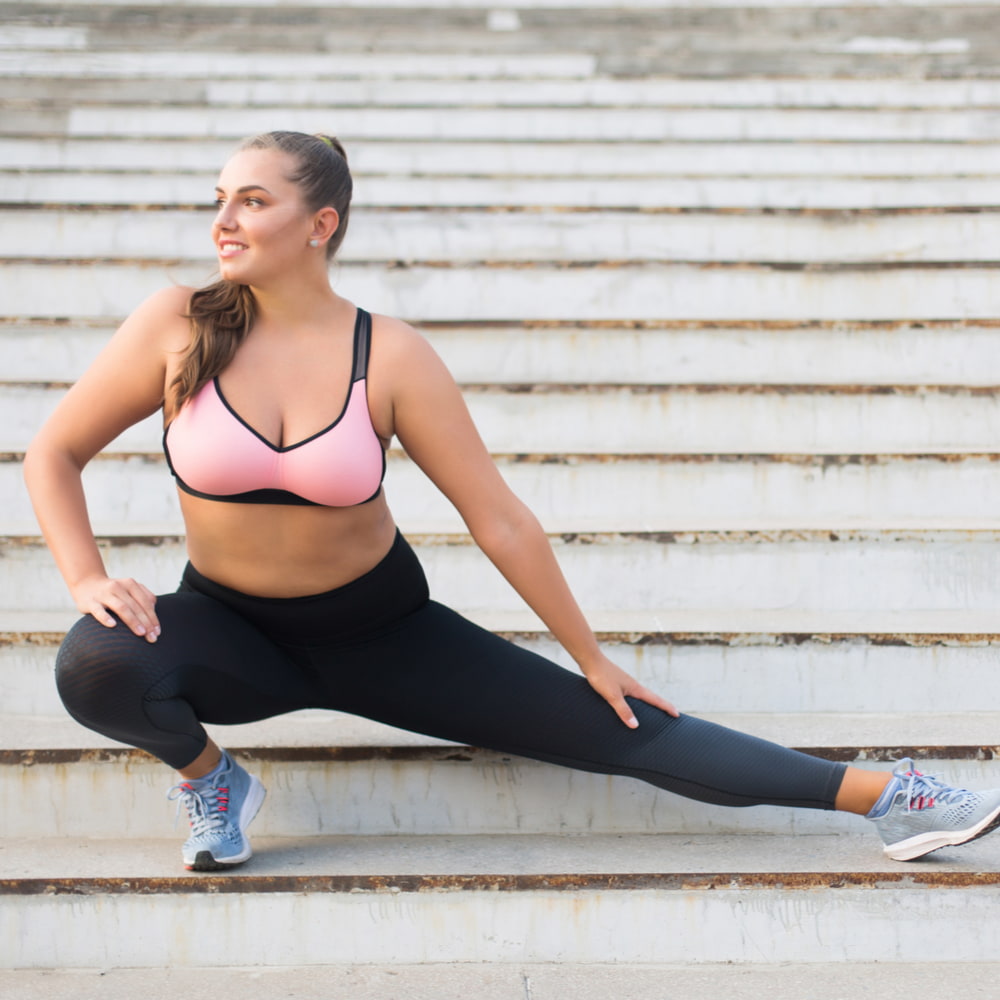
(362, 343)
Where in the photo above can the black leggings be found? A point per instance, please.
(380, 648)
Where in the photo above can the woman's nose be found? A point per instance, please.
(224, 217)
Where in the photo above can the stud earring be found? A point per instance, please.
(314, 243)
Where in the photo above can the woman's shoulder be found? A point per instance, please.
(395, 340)
(171, 302)
(162, 318)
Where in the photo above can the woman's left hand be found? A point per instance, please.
(613, 684)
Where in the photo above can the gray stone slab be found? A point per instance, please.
(685, 353)
(862, 571)
(495, 981)
(395, 158)
(134, 494)
(468, 236)
(746, 855)
(657, 292)
(867, 734)
(642, 918)
(264, 86)
(529, 193)
(951, 41)
(738, 625)
(700, 672)
(523, 124)
(658, 418)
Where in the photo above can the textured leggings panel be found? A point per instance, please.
(424, 668)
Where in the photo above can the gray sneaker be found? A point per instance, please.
(925, 814)
(219, 813)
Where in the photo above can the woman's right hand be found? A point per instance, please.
(132, 602)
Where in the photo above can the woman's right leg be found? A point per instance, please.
(209, 665)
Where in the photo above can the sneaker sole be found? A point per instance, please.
(205, 861)
(925, 843)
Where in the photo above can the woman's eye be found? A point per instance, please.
(219, 202)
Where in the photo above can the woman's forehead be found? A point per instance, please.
(264, 167)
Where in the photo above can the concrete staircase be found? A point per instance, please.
(720, 284)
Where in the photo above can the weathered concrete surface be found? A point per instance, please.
(704, 353)
(660, 418)
(410, 160)
(418, 786)
(268, 80)
(896, 923)
(697, 41)
(491, 981)
(698, 671)
(560, 292)
(193, 190)
(611, 492)
(514, 863)
(863, 571)
(468, 236)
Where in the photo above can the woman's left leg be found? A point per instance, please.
(436, 673)
(439, 674)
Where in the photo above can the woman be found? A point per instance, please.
(301, 593)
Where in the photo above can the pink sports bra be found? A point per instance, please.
(215, 454)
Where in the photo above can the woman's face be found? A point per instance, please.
(262, 227)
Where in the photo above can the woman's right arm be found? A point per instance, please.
(125, 384)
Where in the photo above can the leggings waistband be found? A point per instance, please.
(393, 588)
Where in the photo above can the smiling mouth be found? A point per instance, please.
(231, 248)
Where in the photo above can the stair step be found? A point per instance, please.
(329, 773)
(636, 291)
(763, 193)
(30, 49)
(885, 626)
(721, 42)
(859, 354)
(507, 981)
(854, 570)
(772, 6)
(473, 237)
(413, 160)
(859, 570)
(610, 492)
(262, 83)
(593, 858)
(551, 914)
(520, 124)
(319, 735)
(791, 672)
(661, 419)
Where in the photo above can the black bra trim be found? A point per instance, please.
(282, 498)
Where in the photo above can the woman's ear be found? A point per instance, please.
(325, 223)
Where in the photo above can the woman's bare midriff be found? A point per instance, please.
(285, 551)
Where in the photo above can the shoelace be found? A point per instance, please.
(205, 806)
(923, 790)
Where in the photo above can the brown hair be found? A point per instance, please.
(222, 313)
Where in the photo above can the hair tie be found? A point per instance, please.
(326, 139)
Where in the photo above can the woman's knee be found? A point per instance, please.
(96, 666)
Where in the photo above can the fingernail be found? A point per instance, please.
(634, 722)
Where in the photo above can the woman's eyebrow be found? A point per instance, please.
(247, 187)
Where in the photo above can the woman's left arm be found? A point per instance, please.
(432, 422)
